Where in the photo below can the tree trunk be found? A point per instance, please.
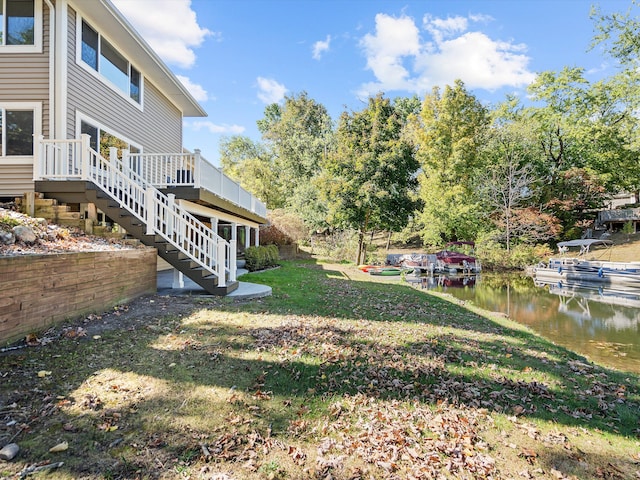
(360, 247)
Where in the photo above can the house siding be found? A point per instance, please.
(24, 77)
(157, 127)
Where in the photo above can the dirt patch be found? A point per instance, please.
(125, 317)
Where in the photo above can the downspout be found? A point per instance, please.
(52, 69)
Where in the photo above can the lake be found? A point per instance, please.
(602, 324)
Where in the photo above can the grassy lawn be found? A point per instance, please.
(338, 375)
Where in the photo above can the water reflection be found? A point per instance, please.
(601, 323)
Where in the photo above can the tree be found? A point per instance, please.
(300, 135)
(252, 165)
(369, 179)
(447, 136)
(509, 182)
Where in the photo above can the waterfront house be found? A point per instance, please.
(92, 117)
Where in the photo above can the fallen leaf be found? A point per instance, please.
(61, 447)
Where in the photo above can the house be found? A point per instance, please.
(92, 117)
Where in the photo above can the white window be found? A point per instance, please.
(101, 138)
(100, 56)
(19, 122)
(21, 25)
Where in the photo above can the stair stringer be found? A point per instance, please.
(137, 229)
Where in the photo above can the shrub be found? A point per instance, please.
(284, 228)
(629, 228)
(261, 257)
(495, 257)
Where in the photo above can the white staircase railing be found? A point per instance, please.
(193, 170)
(75, 160)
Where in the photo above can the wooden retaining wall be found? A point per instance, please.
(37, 291)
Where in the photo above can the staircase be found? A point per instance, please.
(144, 212)
(49, 208)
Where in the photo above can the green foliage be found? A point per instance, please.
(628, 228)
(7, 222)
(253, 166)
(450, 212)
(494, 256)
(369, 181)
(339, 246)
(447, 135)
(300, 135)
(261, 257)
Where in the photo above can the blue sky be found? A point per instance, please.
(237, 56)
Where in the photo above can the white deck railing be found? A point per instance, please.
(192, 170)
(75, 160)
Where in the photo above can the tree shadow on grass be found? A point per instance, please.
(305, 355)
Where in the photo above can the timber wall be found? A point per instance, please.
(37, 291)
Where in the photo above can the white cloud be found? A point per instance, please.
(270, 91)
(170, 27)
(320, 47)
(395, 39)
(401, 59)
(214, 128)
(199, 93)
(479, 61)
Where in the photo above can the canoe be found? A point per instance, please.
(385, 271)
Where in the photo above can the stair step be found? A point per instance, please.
(178, 259)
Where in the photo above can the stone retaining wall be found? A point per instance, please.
(37, 291)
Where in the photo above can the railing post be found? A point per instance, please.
(150, 210)
(220, 263)
(38, 157)
(197, 169)
(84, 155)
(113, 161)
(171, 206)
(233, 260)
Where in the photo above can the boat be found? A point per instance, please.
(453, 260)
(387, 271)
(579, 269)
(419, 262)
(366, 268)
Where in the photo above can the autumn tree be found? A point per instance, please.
(368, 181)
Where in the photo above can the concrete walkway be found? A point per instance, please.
(245, 290)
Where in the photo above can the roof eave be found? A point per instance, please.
(105, 16)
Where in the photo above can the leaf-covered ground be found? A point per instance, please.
(334, 377)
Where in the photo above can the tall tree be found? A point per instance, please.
(585, 131)
(447, 136)
(368, 181)
(300, 134)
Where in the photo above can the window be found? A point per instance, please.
(102, 139)
(20, 24)
(104, 58)
(16, 131)
(89, 46)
